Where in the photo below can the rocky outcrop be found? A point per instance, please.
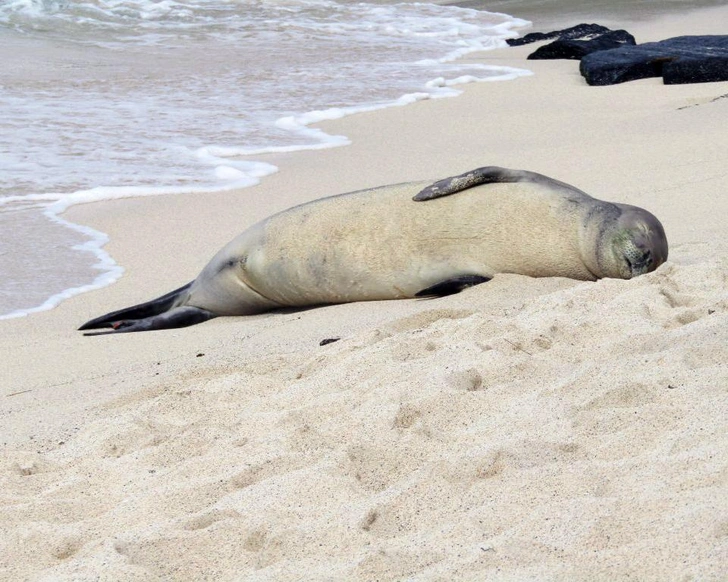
(683, 59)
(612, 56)
(578, 48)
(580, 31)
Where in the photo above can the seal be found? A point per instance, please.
(417, 239)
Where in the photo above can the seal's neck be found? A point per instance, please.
(596, 241)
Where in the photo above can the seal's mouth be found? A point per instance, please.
(639, 265)
(639, 260)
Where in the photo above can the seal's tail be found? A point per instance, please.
(165, 312)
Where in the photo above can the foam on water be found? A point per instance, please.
(103, 99)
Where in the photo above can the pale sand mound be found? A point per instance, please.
(558, 435)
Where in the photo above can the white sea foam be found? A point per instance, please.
(121, 98)
(237, 174)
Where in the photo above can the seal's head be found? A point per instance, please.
(637, 243)
(621, 241)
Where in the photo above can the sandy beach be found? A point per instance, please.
(524, 429)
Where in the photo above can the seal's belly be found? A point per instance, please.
(347, 252)
(380, 244)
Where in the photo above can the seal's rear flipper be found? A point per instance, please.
(177, 317)
(159, 313)
(452, 286)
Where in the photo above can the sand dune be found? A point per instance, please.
(558, 435)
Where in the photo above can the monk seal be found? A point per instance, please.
(410, 240)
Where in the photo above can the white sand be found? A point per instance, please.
(522, 430)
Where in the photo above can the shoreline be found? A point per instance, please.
(259, 171)
(113, 270)
(240, 164)
(541, 428)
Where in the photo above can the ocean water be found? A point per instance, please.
(104, 99)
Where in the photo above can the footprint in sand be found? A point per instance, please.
(205, 520)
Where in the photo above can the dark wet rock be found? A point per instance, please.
(576, 49)
(683, 59)
(580, 31)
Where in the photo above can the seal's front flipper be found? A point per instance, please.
(177, 317)
(485, 175)
(477, 177)
(452, 286)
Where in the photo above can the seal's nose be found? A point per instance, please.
(639, 265)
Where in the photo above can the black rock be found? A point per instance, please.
(576, 49)
(683, 59)
(582, 31)
(707, 70)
